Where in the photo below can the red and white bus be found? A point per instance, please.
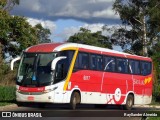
(76, 73)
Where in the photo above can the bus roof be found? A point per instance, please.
(54, 47)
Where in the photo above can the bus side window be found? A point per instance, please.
(122, 65)
(84, 64)
(93, 62)
(145, 68)
(82, 61)
(135, 66)
(109, 64)
(99, 62)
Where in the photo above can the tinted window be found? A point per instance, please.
(122, 65)
(109, 64)
(145, 68)
(135, 66)
(99, 62)
(93, 62)
(96, 62)
(82, 61)
(63, 65)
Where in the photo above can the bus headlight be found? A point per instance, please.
(49, 90)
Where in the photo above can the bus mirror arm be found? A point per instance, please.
(13, 61)
(54, 62)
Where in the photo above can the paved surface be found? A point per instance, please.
(63, 111)
(49, 106)
(8, 107)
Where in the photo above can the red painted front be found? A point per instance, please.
(43, 47)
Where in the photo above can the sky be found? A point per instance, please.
(65, 17)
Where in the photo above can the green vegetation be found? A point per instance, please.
(5, 103)
(142, 16)
(153, 118)
(85, 36)
(16, 34)
(7, 94)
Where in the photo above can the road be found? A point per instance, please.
(63, 112)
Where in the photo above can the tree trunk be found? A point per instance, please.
(1, 55)
(145, 51)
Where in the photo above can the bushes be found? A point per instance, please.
(7, 93)
(156, 82)
(7, 77)
(7, 84)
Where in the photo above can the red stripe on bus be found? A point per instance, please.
(28, 89)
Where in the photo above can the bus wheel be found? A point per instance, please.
(129, 102)
(19, 104)
(75, 99)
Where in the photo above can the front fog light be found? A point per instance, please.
(49, 97)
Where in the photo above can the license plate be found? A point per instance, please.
(31, 98)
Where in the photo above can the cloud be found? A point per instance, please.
(69, 31)
(45, 23)
(83, 10)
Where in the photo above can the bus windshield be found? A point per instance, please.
(35, 68)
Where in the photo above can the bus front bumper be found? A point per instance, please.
(35, 97)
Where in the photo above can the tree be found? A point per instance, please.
(7, 5)
(20, 36)
(137, 14)
(43, 34)
(16, 34)
(85, 36)
(156, 63)
(4, 20)
(4, 29)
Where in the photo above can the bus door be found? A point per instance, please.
(61, 71)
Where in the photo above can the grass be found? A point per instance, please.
(153, 118)
(7, 95)
(5, 103)
(154, 102)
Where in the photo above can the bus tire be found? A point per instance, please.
(20, 104)
(129, 102)
(75, 99)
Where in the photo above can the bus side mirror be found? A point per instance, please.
(54, 62)
(13, 61)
